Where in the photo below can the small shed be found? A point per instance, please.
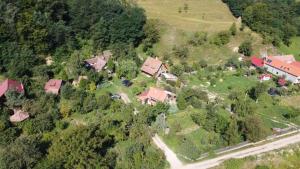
(18, 116)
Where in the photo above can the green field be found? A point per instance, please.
(204, 15)
(294, 48)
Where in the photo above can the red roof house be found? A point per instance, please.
(154, 95)
(10, 85)
(53, 86)
(99, 62)
(285, 58)
(18, 116)
(257, 62)
(153, 67)
(265, 77)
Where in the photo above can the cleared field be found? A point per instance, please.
(204, 15)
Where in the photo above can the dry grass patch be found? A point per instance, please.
(204, 15)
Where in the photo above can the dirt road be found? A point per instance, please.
(177, 164)
(125, 98)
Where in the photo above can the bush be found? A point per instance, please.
(221, 38)
(199, 38)
(62, 124)
(199, 118)
(246, 48)
(181, 52)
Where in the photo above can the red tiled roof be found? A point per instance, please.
(258, 62)
(155, 94)
(53, 86)
(285, 58)
(10, 85)
(283, 66)
(265, 75)
(18, 116)
(99, 62)
(296, 63)
(151, 66)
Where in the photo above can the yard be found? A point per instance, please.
(231, 82)
(115, 86)
(187, 139)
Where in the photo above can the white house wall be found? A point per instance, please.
(279, 72)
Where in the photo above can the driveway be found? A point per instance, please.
(125, 98)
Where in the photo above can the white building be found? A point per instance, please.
(283, 66)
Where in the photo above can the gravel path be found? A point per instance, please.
(177, 164)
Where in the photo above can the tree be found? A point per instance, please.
(186, 7)
(258, 90)
(233, 29)
(14, 99)
(177, 70)
(85, 147)
(246, 48)
(151, 33)
(199, 38)
(181, 102)
(199, 118)
(104, 101)
(232, 135)
(127, 69)
(222, 38)
(254, 128)
(181, 52)
(23, 153)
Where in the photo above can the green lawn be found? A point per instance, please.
(115, 86)
(294, 48)
(232, 82)
(190, 136)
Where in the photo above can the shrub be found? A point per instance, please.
(246, 48)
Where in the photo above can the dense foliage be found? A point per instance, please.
(276, 20)
(70, 31)
(30, 28)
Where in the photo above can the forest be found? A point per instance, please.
(276, 20)
(31, 31)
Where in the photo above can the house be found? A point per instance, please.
(257, 62)
(18, 116)
(265, 77)
(99, 62)
(153, 67)
(283, 66)
(53, 86)
(9, 84)
(169, 77)
(154, 95)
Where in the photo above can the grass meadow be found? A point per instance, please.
(198, 16)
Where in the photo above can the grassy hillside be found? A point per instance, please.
(204, 15)
(210, 16)
(293, 48)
